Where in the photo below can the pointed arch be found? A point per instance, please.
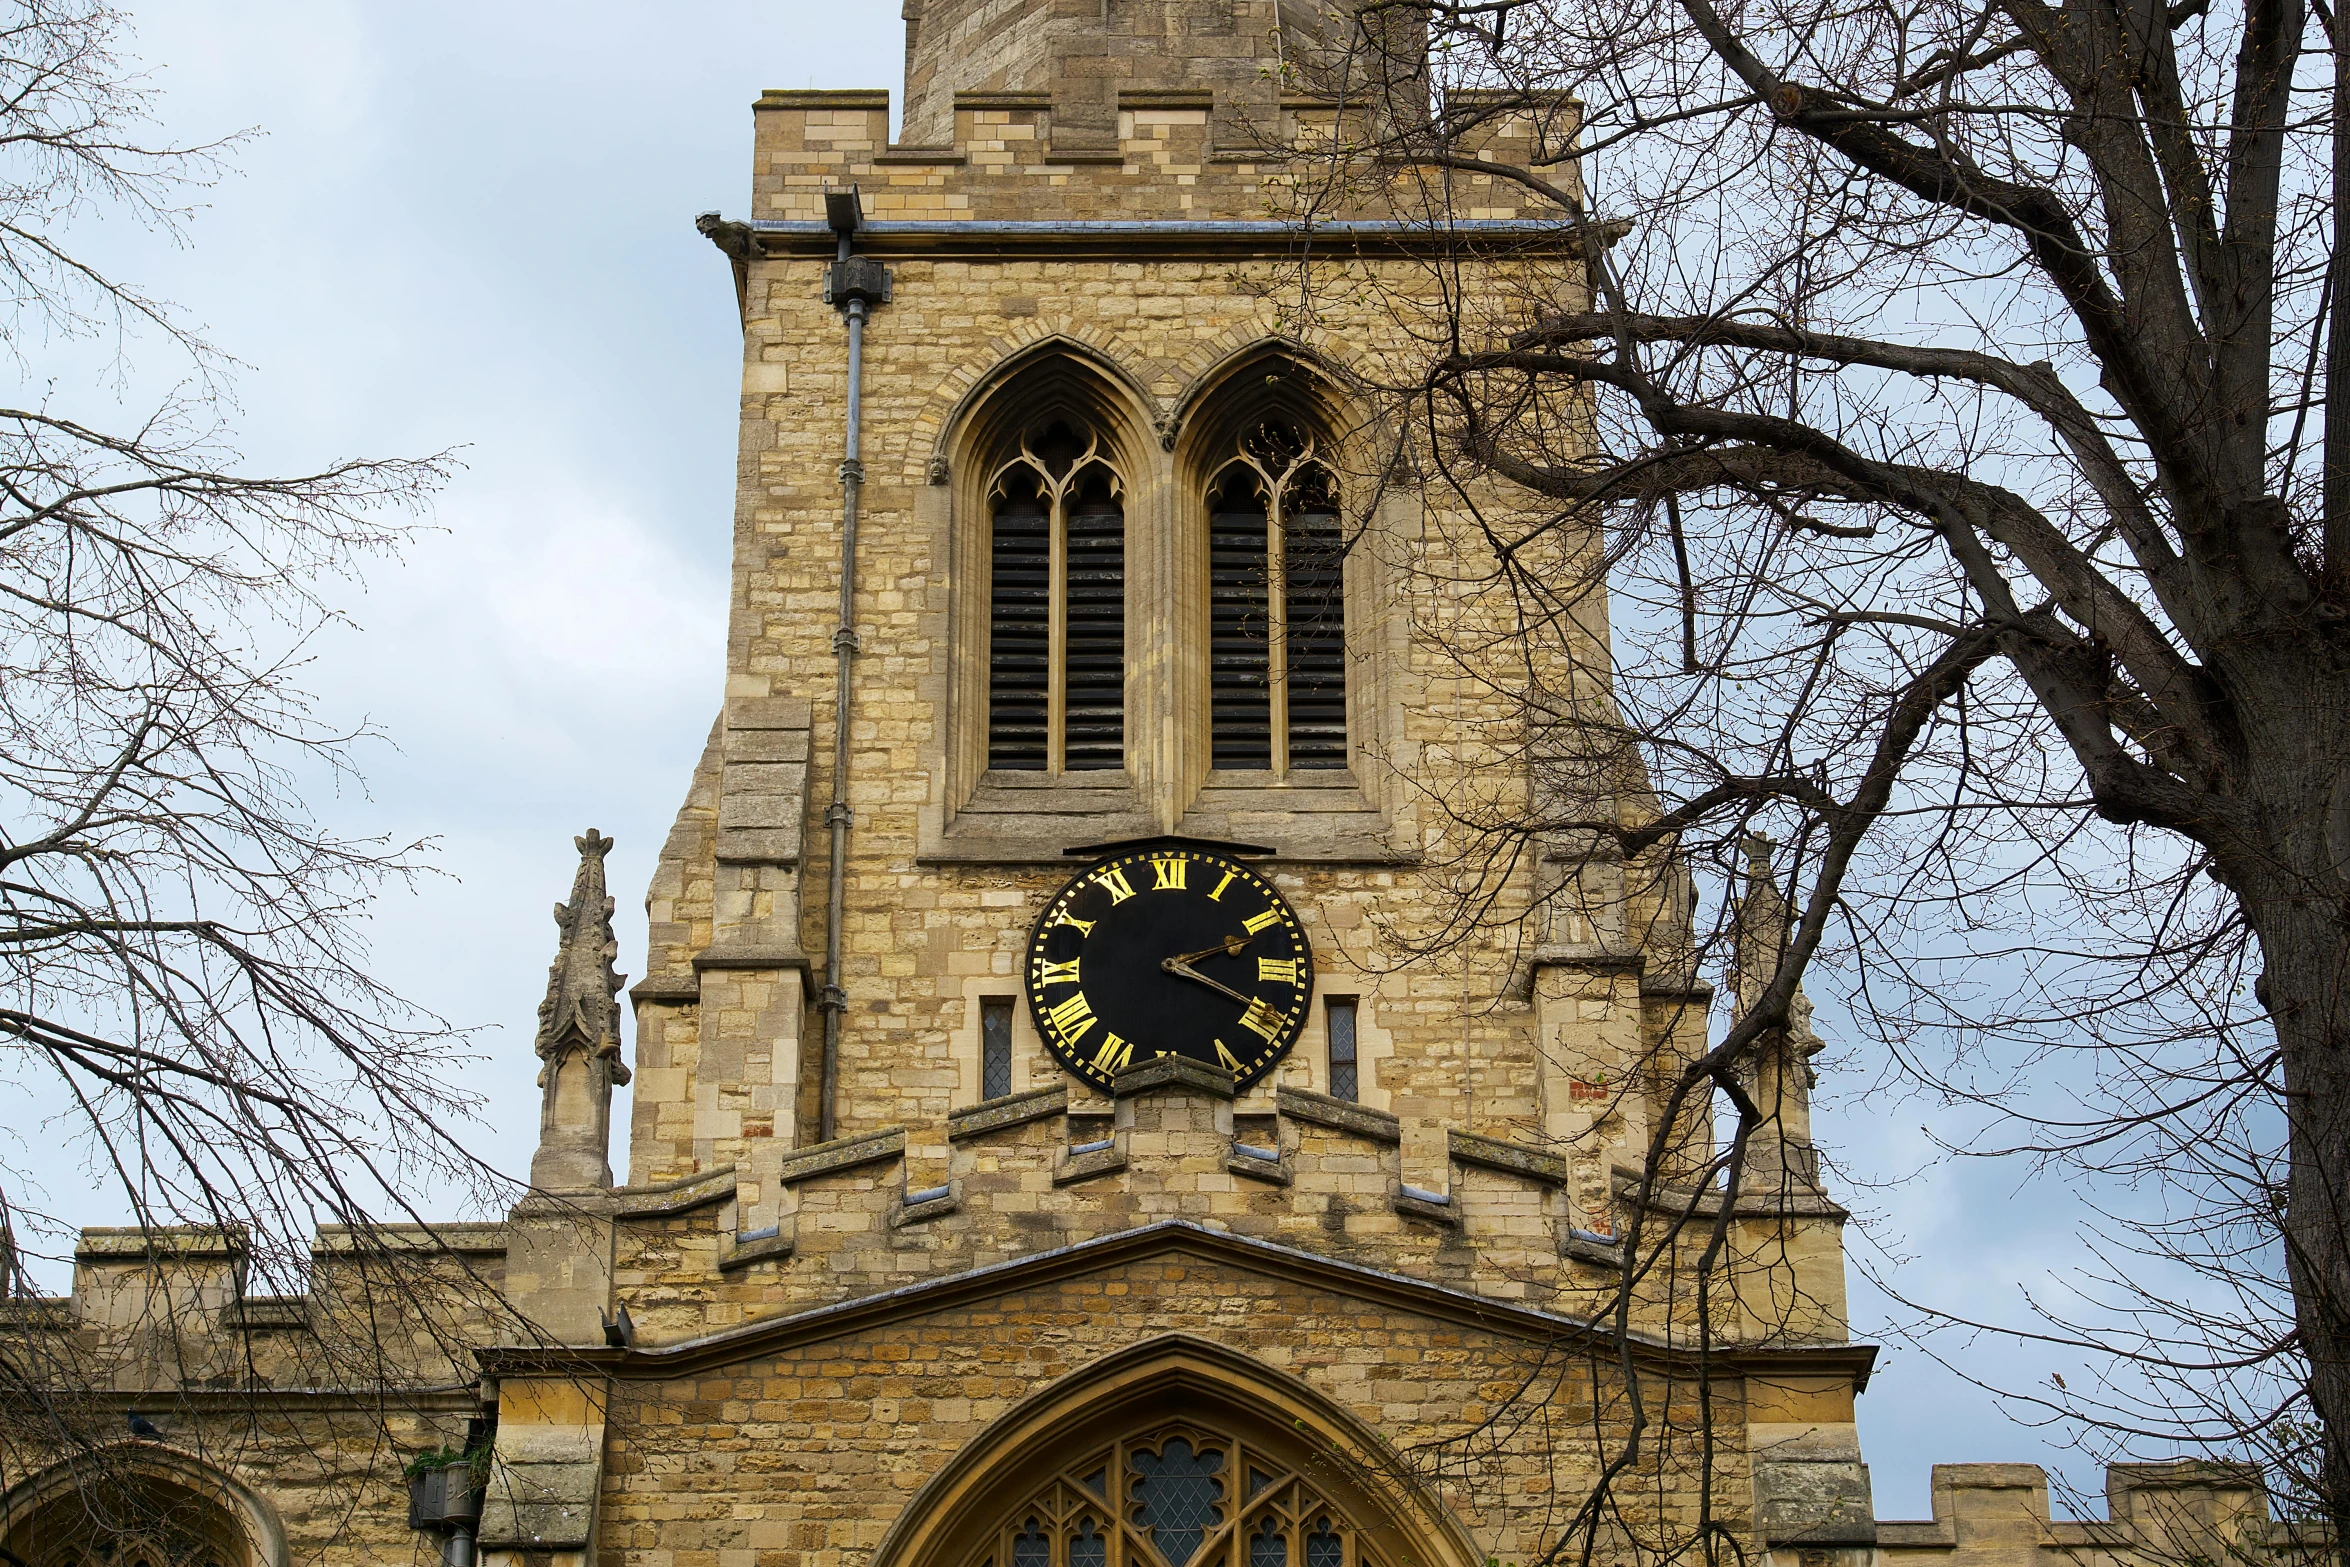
(1120, 398)
(1268, 441)
(1047, 556)
(1304, 382)
(1169, 1400)
(140, 1489)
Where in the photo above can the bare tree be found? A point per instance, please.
(185, 1000)
(1938, 396)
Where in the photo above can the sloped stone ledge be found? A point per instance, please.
(995, 1115)
(1340, 1115)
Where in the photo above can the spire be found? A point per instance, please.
(579, 1035)
(1779, 1074)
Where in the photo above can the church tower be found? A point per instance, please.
(1064, 1134)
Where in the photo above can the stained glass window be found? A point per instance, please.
(1170, 1499)
(1176, 1492)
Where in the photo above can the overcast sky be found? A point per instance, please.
(471, 225)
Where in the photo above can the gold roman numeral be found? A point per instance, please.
(1113, 1055)
(1063, 973)
(1271, 971)
(1218, 895)
(1082, 927)
(1263, 1020)
(1231, 1061)
(1167, 875)
(1113, 881)
(1072, 1018)
(1257, 922)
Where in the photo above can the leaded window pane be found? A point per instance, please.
(1088, 1548)
(1345, 1082)
(1176, 1494)
(995, 1047)
(1266, 1547)
(1324, 1548)
(1031, 1547)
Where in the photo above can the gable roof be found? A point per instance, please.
(1169, 1237)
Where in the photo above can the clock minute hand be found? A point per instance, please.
(1178, 966)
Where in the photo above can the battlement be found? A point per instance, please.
(173, 1307)
(2184, 1510)
(1167, 153)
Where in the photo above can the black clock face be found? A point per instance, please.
(1169, 951)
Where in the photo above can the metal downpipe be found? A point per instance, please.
(855, 286)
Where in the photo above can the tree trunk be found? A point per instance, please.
(2305, 943)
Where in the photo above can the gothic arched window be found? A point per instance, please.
(1056, 675)
(129, 1521)
(1276, 607)
(1184, 1495)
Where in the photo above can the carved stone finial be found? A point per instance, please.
(1779, 1073)
(579, 1034)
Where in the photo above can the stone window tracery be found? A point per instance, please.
(1057, 606)
(1276, 606)
(111, 1524)
(1183, 1495)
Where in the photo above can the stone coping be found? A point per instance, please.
(842, 1153)
(1796, 1202)
(1492, 1153)
(1172, 1071)
(1339, 1115)
(1075, 1167)
(995, 1115)
(682, 1195)
(181, 1241)
(471, 1239)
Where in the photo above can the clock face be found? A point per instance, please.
(1169, 951)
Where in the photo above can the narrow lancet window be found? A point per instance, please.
(995, 1046)
(1057, 609)
(1276, 608)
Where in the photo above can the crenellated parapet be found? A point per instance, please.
(2183, 1510)
(1161, 157)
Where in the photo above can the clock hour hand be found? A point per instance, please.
(1229, 947)
(1179, 966)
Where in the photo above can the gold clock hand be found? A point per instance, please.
(1230, 947)
(1178, 966)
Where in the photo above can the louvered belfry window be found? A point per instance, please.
(1276, 607)
(1056, 675)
